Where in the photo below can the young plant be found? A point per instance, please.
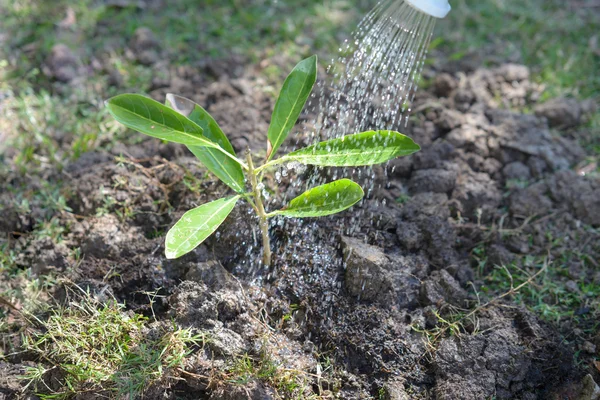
(183, 121)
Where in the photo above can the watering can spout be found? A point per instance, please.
(435, 8)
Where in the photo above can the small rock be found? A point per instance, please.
(211, 273)
(428, 204)
(590, 390)
(13, 219)
(62, 64)
(367, 275)
(527, 323)
(143, 39)
(513, 72)
(440, 241)
(463, 98)
(104, 237)
(517, 244)
(401, 167)
(579, 194)
(432, 180)
(589, 347)
(145, 46)
(12, 381)
(516, 171)
(382, 218)
(442, 288)
(461, 370)
(529, 201)
(589, 107)
(255, 390)
(394, 390)
(572, 286)
(196, 305)
(409, 235)
(444, 84)
(537, 166)
(499, 255)
(476, 191)
(505, 356)
(434, 156)
(225, 342)
(491, 166)
(465, 135)
(244, 86)
(51, 256)
(587, 207)
(560, 112)
(450, 119)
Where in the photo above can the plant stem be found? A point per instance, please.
(248, 198)
(260, 209)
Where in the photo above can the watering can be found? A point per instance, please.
(435, 8)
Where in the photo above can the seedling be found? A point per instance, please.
(183, 121)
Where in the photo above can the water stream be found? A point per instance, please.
(373, 81)
(369, 86)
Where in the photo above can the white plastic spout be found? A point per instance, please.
(435, 8)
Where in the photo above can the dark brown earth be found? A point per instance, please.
(370, 290)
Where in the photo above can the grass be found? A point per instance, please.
(98, 348)
(451, 323)
(543, 283)
(22, 289)
(550, 298)
(189, 32)
(564, 293)
(552, 37)
(290, 384)
(571, 305)
(47, 128)
(44, 130)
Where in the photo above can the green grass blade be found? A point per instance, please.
(366, 148)
(196, 225)
(225, 168)
(148, 116)
(323, 200)
(289, 105)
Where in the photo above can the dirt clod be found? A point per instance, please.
(367, 267)
(442, 288)
(145, 46)
(516, 171)
(62, 64)
(560, 112)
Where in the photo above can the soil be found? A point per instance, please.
(370, 290)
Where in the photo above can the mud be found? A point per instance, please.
(367, 291)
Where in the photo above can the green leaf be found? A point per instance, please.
(225, 168)
(366, 148)
(196, 225)
(324, 200)
(147, 116)
(289, 105)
